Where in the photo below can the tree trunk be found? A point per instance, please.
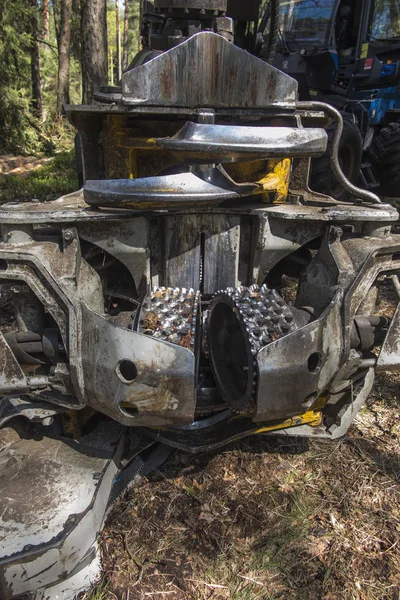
(46, 20)
(111, 62)
(94, 47)
(57, 19)
(126, 34)
(35, 62)
(134, 20)
(143, 7)
(118, 40)
(64, 44)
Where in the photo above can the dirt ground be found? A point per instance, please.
(20, 165)
(267, 518)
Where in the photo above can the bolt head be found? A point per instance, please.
(68, 235)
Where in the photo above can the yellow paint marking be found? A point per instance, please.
(312, 418)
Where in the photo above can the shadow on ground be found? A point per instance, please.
(266, 518)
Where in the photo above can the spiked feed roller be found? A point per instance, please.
(241, 322)
(194, 291)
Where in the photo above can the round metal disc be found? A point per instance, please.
(240, 323)
(230, 351)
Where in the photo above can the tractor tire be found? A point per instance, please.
(384, 154)
(350, 152)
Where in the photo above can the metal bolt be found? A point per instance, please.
(335, 233)
(68, 235)
(206, 116)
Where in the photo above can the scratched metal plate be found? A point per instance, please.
(53, 494)
(207, 70)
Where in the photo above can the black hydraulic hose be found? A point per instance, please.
(271, 13)
(334, 151)
(274, 30)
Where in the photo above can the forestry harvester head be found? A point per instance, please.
(194, 291)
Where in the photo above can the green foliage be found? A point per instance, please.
(133, 33)
(100, 592)
(49, 60)
(49, 71)
(16, 133)
(134, 25)
(111, 42)
(15, 40)
(47, 183)
(21, 132)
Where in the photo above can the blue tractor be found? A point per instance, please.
(347, 53)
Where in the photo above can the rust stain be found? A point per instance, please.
(151, 321)
(167, 79)
(276, 335)
(154, 399)
(186, 341)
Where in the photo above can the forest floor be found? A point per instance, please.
(266, 518)
(28, 178)
(20, 165)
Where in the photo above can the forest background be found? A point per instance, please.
(55, 52)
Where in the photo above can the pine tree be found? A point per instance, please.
(133, 39)
(15, 74)
(35, 61)
(118, 40)
(126, 33)
(94, 47)
(64, 51)
(46, 20)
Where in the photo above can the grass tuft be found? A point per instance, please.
(49, 182)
